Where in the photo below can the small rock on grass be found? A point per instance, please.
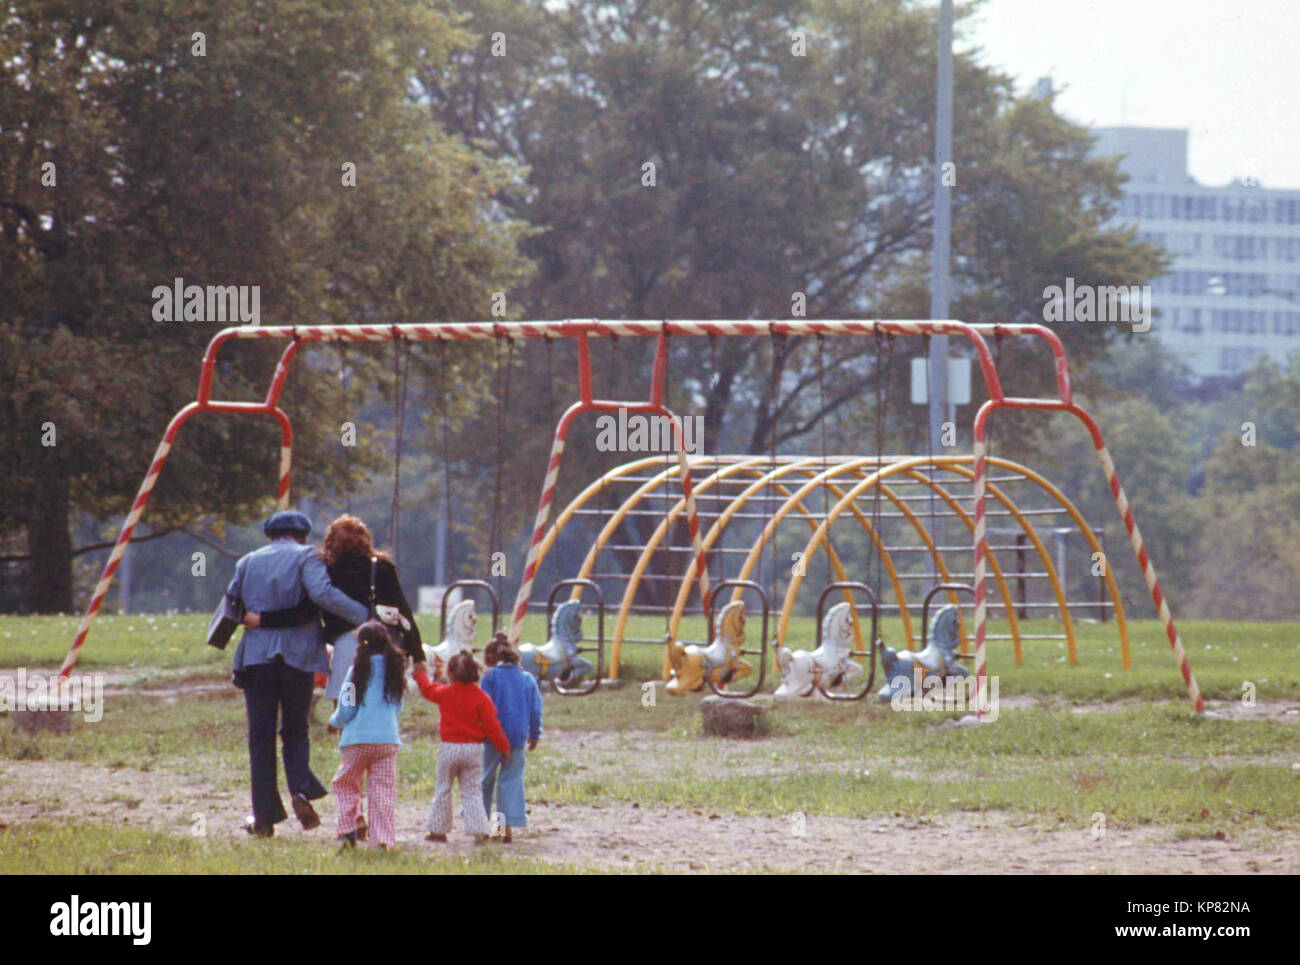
(730, 717)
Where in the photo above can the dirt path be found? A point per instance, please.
(626, 837)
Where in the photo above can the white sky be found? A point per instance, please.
(1226, 70)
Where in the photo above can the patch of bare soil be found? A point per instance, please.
(627, 837)
(168, 687)
(1285, 711)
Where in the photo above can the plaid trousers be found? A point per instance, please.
(378, 763)
(462, 763)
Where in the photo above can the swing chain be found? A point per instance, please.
(998, 336)
(884, 366)
(502, 399)
(401, 371)
(550, 379)
(778, 347)
(345, 379)
(821, 419)
(930, 470)
(667, 566)
(443, 396)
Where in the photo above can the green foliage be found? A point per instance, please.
(1250, 555)
(775, 173)
(1153, 456)
(1218, 514)
(222, 169)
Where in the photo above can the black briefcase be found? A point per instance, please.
(229, 616)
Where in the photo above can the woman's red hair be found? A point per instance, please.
(349, 536)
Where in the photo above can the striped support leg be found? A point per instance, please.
(119, 548)
(981, 553)
(1149, 574)
(286, 461)
(535, 547)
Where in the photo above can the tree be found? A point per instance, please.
(214, 144)
(789, 143)
(1153, 455)
(1249, 561)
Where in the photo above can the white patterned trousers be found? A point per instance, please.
(462, 763)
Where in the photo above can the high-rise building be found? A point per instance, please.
(1233, 290)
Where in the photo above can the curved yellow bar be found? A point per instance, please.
(652, 544)
(1013, 621)
(909, 467)
(1112, 587)
(634, 578)
(595, 489)
(761, 482)
(794, 502)
(769, 532)
(896, 582)
(737, 503)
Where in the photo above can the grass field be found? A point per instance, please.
(1071, 744)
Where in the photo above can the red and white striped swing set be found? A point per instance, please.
(583, 330)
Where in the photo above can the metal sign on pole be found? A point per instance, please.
(959, 378)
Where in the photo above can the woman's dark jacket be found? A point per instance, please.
(351, 574)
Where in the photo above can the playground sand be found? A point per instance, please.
(627, 837)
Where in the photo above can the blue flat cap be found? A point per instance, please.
(287, 521)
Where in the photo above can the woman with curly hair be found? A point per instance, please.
(347, 552)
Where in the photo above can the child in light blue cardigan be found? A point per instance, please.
(372, 697)
(518, 701)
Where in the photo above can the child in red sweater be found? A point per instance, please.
(468, 719)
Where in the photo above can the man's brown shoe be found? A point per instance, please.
(307, 815)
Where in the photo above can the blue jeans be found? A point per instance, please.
(507, 779)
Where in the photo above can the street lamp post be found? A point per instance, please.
(941, 248)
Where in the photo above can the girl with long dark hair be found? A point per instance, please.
(370, 701)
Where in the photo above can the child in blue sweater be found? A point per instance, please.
(519, 707)
(370, 701)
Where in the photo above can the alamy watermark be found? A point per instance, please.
(79, 693)
(1125, 304)
(952, 693)
(179, 302)
(130, 919)
(636, 432)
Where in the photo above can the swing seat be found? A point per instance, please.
(939, 658)
(807, 673)
(558, 658)
(693, 666)
(462, 631)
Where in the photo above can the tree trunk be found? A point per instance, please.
(50, 545)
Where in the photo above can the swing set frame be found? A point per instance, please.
(583, 330)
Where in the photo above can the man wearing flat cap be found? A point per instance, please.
(276, 667)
